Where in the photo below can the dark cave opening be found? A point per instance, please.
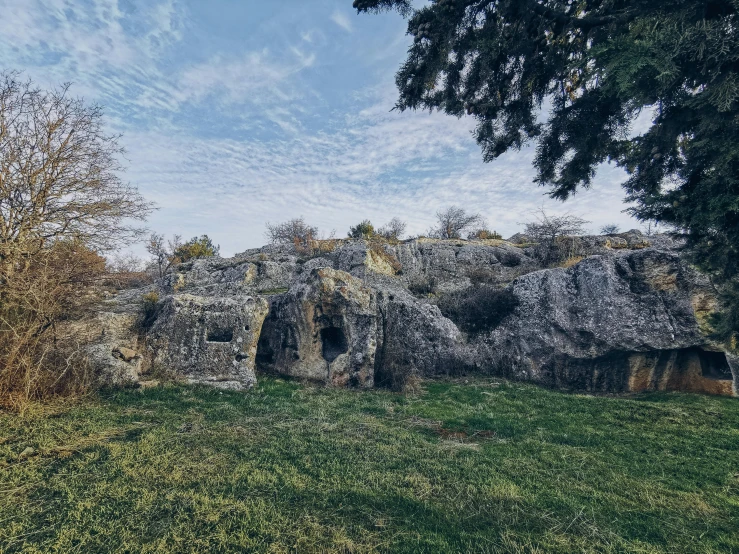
(714, 365)
(334, 343)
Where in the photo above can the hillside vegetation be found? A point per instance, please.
(484, 466)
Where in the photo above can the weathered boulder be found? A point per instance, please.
(414, 338)
(115, 349)
(454, 264)
(611, 323)
(211, 340)
(323, 329)
(253, 272)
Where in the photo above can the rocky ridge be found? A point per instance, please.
(627, 315)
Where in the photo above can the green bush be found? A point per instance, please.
(363, 230)
(202, 247)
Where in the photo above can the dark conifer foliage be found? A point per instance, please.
(591, 67)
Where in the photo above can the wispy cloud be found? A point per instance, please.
(227, 138)
(64, 34)
(342, 20)
(376, 166)
(236, 80)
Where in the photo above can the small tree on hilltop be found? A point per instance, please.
(126, 270)
(609, 229)
(548, 229)
(202, 247)
(295, 231)
(163, 251)
(363, 230)
(393, 229)
(481, 232)
(454, 221)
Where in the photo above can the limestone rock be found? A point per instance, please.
(415, 338)
(114, 345)
(209, 340)
(611, 323)
(630, 316)
(324, 329)
(125, 354)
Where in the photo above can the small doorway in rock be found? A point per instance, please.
(218, 334)
(334, 343)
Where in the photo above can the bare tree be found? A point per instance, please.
(295, 231)
(163, 251)
(126, 270)
(59, 173)
(125, 263)
(157, 247)
(609, 229)
(454, 221)
(393, 229)
(548, 229)
(651, 228)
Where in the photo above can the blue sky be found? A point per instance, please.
(239, 112)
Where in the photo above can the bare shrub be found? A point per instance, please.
(393, 230)
(41, 353)
(126, 271)
(549, 232)
(163, 251)
(306, 239)
(652, 228)
(125, 263)
(609, 229)
(453, 222)
(295, 231)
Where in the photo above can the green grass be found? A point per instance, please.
(478, 467)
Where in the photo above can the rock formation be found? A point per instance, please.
(630, 316)
(324, 329)
(209, 339)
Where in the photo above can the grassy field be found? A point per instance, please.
(483, 466)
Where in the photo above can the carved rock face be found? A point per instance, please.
(323, 329)
(209, 340)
